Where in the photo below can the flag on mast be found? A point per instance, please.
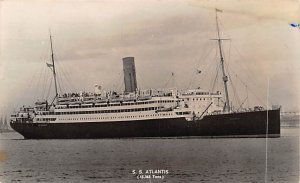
(218, 10)
(49, 65)
(295, 25)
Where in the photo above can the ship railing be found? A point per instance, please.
(116, 100)
(163, 109)
(22, 120)
(144, 98)
(75, 102)
(43, 112)
(215, 94)
(118, 103)
(245, 110)
(94, 100)
(64, 101)
(88, 101)
(101, 101)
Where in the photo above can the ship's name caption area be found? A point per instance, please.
(150, 174)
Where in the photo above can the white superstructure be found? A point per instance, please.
(114, 107)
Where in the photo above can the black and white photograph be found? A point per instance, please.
(146, 91)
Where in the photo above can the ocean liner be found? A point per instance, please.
(138, 113)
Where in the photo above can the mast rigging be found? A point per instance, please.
(225, 77)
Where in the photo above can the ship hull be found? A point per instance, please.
(246, 124)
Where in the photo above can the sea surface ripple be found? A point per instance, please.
(187, 160)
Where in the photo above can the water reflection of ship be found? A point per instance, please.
(4, 126)
(290, 119)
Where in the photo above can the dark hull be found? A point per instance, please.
(248, 124)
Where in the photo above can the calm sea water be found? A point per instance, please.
(114, 160)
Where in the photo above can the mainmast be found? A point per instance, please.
(225, 78)
(53, 65)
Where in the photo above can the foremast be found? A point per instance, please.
(225, 78)
(53, 68)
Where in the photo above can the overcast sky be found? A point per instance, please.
(91, 37)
